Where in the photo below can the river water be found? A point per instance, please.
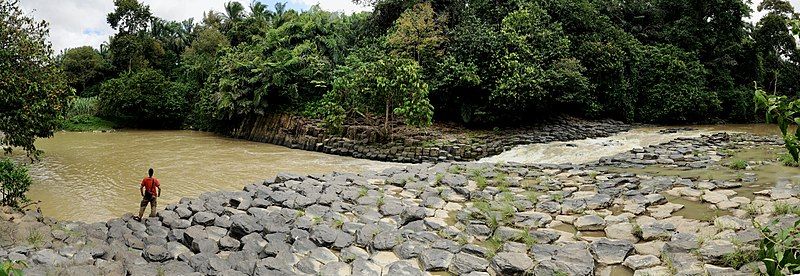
(588, 150)
(95, 176)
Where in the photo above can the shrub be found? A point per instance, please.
(738, 164)
(15, 182)
(780, 250)
(82, 106)
(12, 268)
(672, 87)
(144, 99)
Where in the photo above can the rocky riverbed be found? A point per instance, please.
(459, 218)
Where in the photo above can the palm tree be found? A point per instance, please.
(260, 11)
(234, 11)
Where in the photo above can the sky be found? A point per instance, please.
(75, 23)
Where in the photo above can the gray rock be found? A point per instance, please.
(205, 246)
(714, 251)
(323, 235)
(156, 253)
(48, 257)
(637, 262)
(242, 224)
(464, 263)
(409, 249)
(323, 255)
(193, 233)
(387, 240)
(403, 268)
(208, 264)
(511, 263)
(590, 223)
(621, 231)
(363, 267)
(353, 253)
(229, 244)
(611, 251)
(504, 233)
(657, 231)
(254, 243)
(204, 218)
(336, 268)
(435, 259)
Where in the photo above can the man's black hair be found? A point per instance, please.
(150, 172)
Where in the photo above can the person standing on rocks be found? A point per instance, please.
(150, 190)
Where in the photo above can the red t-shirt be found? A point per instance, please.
(150, 185)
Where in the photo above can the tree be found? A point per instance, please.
(776, 46)
(417, 34)
(14, 182)
(129, 16)
(672, 87)
(33, 93)
(144, 98)
(83, 67)
(534, 69)
(388, 86)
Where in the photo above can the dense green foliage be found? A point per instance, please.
(33, 94)
(15, 182)
(478, 62)
(83, 68)
(144, 99)
(781, 110)
(12, 268)
(779, 250)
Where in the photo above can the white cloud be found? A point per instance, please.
(75, 23)
(72, 23)
(756, 15)
(346, 6)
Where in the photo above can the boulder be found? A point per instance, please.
(610, 252)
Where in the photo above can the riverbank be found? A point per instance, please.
(440, 143)
(463, 218)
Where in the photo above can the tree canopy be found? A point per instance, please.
(33, 93)
(476, 62)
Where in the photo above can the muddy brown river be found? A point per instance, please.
(95, 176)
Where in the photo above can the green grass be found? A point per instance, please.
(740, 257)
(480, 181)
(781, 208)
(337, 223)
(82, 123)
(83, 107)
(787, 160)
(738, 164)
(455, 169)
(438, 179)
(533, 196)
(35, 238)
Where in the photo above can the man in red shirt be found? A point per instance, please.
(150, 190)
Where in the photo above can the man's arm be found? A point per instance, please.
(159, 191)
(141, 190)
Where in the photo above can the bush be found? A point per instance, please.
(86, 123)
(144, 99)
(12, 268)
(15, 182)
(82, 106)
(672, 87)
(780, 250)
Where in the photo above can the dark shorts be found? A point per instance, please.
(145, 201)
